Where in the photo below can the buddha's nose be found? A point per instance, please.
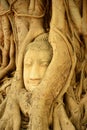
(35, 72)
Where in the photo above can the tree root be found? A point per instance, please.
(18, 100)
(73, 9)
(11, 66)
(2, 107)
(81, 81)
(10, 119)
(24, 122)
(62, 118)
(83, 105)
(6, 32)
(23, 99)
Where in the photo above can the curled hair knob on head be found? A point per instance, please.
(40, 43)
(42, 37)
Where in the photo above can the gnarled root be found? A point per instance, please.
(75, 111)
(83, 105)
(61, 120)
(11, 66)
(24, 121)
(11, 116)
(2, 107)
(23, 99)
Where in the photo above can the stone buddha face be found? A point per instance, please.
(37, 58)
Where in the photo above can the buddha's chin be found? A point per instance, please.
(31, 87)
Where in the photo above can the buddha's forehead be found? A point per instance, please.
(40, 48)
(38, 55)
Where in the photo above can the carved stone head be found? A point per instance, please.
(38, 55)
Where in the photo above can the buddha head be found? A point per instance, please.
(37, 58)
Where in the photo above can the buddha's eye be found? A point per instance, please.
(44, 63)
(28, 64)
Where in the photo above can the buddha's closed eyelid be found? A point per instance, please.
(28, 63)
(44, 63)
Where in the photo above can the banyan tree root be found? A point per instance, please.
(83, 105)
(10, 118)
(21, 22)
(58, 11)
(11, 65)
(84, 26)
(7, 33)
(7, 47)
(61, 120)
(75, 15)
(75, 111)
(24, 121)
(16, 101)
(1, 33)
(1, 42)
(2, 107)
